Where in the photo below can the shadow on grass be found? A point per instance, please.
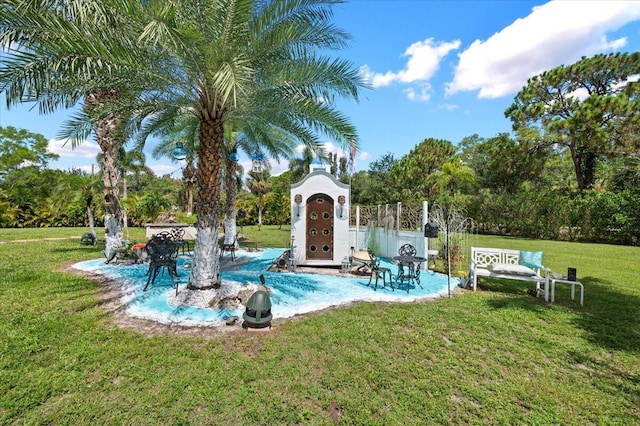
(609, 317)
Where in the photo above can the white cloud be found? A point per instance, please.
(424, 60)
(329, 148)
(364, 155)
(88, 168)
(166, 169)
(421, 93)
(62, 147)
(556, 33)
(448, 107)
(277, 168)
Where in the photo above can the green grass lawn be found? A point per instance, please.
(495, 356)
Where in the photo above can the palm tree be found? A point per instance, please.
(61, 53)
(259, 185)
(79, 189)
(189, 179)
(252, 64)
(133, 161)
(452, 175)
(299, 166)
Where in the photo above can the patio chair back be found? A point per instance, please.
(407, 250)
(178, 238)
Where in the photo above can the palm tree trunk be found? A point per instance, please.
(124, 197)
(230, 229)
(205, 266)
(92, 224)
(189, 177)
(110, 137)
(189, 199)
(112, 208)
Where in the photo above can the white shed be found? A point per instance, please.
(320, 206)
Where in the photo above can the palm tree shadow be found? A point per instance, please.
(610, 318)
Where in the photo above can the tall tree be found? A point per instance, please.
(259, 185)
(19, 148)
(409, 172)
(24, 178)
(279, 205)
(452, 176)
(185, 131)
(255, 65)
(503, 163)
(591, 108)
(299, 166)
(131, 161)
(61, 53)
(182, 130)
(375, 186)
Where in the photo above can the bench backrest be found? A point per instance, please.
(483, 256)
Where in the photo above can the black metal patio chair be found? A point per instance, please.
(231, 248)
(163, 253)
(407, 250)
(379, 272)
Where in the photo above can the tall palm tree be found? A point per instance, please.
(253, 64)
(232, 182)
(59, 54)
(452, 175)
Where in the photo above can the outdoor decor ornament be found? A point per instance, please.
(256, 162)
(341, 201)
(179, 153)
(298, 200)
(234, 157)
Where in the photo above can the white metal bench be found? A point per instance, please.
(505, 263)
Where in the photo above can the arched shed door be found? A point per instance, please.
(319, 227)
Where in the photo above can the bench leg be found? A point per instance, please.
(546, 291)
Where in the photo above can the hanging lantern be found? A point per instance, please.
(256, 162)
(234, 157)
(179, 153)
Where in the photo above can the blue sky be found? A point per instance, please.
(439, 69)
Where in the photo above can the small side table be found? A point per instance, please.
(573, 288)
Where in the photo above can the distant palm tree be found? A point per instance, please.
(299, 166)
(452, 175)
(81, 188)
(259, 185)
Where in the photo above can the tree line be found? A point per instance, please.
(570, 169)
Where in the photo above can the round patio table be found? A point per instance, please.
(364, 258)
(413, 269)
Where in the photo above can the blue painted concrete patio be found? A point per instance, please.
(291, 293)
